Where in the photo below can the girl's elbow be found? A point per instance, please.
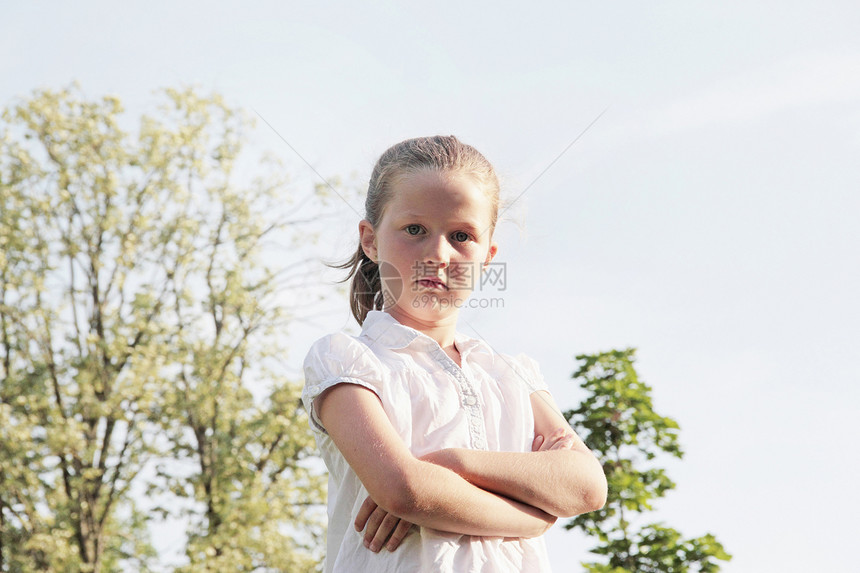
(396, 501)
(597, 490)
(400, 495)
(590, 498)
(596, 496)
(405, 505)
(591, 494)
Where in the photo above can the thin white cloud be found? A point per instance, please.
(792, 84)
(801, 82)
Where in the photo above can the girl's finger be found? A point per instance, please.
(560, 439)
(549, 442)
(366, 509)
(386, 527)
(566, 443)
(399, 534)
(372, 527)
(537, 443)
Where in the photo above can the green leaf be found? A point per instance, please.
(617, 421)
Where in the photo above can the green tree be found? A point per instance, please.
(618, 422)
(142, 309)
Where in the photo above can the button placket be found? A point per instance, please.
(469, 400)
(471, 404)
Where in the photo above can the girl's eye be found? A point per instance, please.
(413, 229)
(461, 236)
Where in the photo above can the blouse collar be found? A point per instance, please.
(384, 330)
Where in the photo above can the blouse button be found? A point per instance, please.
(470, 400)
(479, 443)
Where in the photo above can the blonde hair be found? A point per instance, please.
(438, 153)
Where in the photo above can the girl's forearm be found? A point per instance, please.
(563, 482)
(438, 498)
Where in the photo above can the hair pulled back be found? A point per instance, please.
(438, 153)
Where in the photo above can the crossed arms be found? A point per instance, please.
(471, 492)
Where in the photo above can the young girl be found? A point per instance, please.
(443, 455)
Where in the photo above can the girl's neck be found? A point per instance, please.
(442, 331)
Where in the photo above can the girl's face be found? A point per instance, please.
(432, 242)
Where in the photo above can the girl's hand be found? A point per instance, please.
(560, 439)
(380, 527)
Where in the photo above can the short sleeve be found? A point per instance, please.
(528, 371)
(335, 359)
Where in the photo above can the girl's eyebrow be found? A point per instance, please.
(468, 226)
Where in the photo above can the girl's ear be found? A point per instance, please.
(491, 254)
(367, 239)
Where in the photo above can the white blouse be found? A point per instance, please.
(433, 404)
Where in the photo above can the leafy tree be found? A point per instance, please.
(142, 307)
(618, 422)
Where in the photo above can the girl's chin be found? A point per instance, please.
(425, 307)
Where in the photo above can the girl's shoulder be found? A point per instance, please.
(335, 359)
(338, 354)
(336, 341)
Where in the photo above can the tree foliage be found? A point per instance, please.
(618, 423)
(141, 321)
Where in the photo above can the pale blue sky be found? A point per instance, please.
(708, 218)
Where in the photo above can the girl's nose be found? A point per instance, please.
(438, 252)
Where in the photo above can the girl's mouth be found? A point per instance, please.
(432, 284)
